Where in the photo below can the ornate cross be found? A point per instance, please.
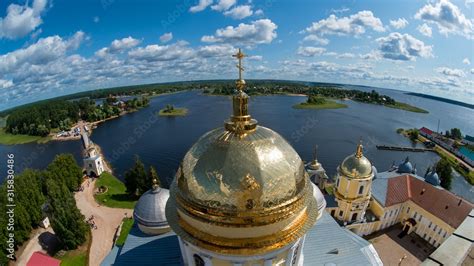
(239, 55)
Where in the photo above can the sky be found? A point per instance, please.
(50, 48)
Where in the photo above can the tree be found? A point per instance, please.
(413, 134)
(154, 175)
(64, 167)
(444, 171)
(66, 220)
(136, 179)
(456, 133)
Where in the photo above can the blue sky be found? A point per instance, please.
(51, 48)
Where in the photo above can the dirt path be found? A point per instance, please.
(106, 219)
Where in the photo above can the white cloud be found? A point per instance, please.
(316, 39)
(466, 61)
(239, 12)
(5, 84)
(223, 5)
(397, 46)
(355, 24)
(261, 31)
(42, 52)
(215, 50)
(452, 72)
(203, 4)
(345, 55)
(154, 52)
(166, 37)
(399, 23)
(447, 17)
(310, 50)
(258, 12)
(21, 20)
(472, 70)
(425, 30)
(118, 46)
(340, 10)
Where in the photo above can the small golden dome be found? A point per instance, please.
(356, 165)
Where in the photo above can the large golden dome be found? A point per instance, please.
(241, 189)
(356, 165)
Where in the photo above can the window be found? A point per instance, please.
(198, 261)
(408, 209)
(354, 217)
(445, 234)
(429, 226)
(385, 215)
(340, 213)
(361, 190)
(424, 236)
(333, 212)
(434, 228)
(434, 242)
(429, 239)
(414, 215)
(440, 230)
(419, 219)
(337, 182)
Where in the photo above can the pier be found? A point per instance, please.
(398, 148)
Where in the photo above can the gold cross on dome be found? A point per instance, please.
(239, 55)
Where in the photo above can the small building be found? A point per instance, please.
(40, 259)
(94, 166)
(45, 223)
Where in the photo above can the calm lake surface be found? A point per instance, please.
(163, 141)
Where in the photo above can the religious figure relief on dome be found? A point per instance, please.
(249, 196)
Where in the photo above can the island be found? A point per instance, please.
(317, 102)
(170, 110)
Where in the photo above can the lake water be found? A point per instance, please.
(163, 141)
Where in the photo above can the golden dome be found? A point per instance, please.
(356, 165)
(241, 189)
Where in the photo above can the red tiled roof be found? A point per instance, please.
(439, 202)
(40, 259)
(426, 130)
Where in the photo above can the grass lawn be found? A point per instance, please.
(407, 107)
(328, 104)
(10, 139)
(174, 112)
(469, 176)
(116, 195)
(127, 224)
(77, 257)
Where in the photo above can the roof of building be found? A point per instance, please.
(327, 243)
(150, 208)
(405, 167)
(42, 259)
(426, 131)
(432, 178)
(389, 189)
(143, 249)
(340, 246)
(455, 249)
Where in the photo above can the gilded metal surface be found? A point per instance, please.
(214, 171)
(356, 165)
(243, 246)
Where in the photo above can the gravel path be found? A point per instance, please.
(106, 219)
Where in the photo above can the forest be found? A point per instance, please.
(40, 119)
(39, 194)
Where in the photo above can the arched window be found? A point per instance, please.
(198, 261)
(354, 217)
(361, 189)
(337, 182)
